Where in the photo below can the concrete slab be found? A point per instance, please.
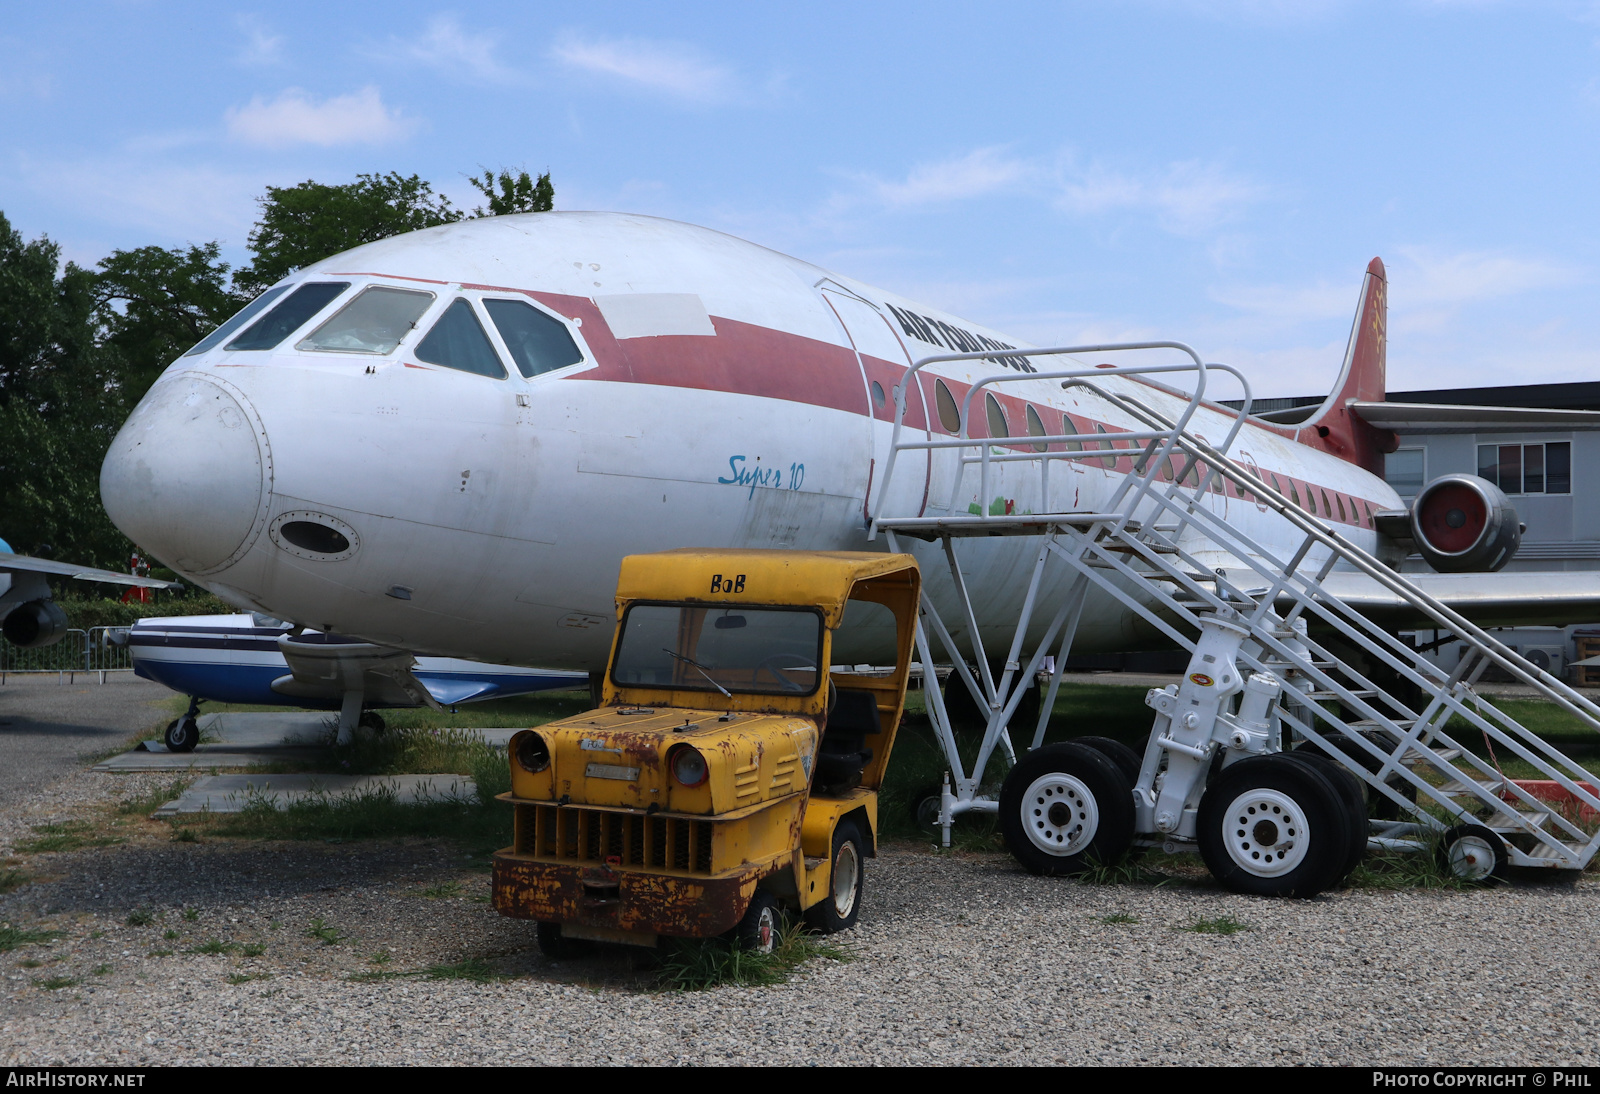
(240, 739)
(231, 793)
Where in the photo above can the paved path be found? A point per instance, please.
(46, 727)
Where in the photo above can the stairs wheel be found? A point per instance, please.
(1473, 853)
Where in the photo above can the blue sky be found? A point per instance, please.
(1212, 171)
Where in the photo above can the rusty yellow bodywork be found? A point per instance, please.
(611, 846)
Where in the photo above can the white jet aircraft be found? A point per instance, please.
(447, 440)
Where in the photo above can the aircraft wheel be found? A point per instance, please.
(182, 734)
(1064, 808)
(557, 947)
(839, 910)
(1352, 793)
(1273, 826)
(371, 719)
(758, 931)
(1127, 760)
(1472, 852)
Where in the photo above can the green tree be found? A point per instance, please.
(154, 304)
(61, 400)
(508, 193)
(303, 224)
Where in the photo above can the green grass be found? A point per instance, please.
(191, 914)
(68, 836)
(12, 880)
(55, 983)
(322, 932)
(144, 804)
(443, 891)
(253, 949)
(1222, 924)
(102, 970)
(476, 969)
(169, 934)
(703, 963)
(1118, 917)
(12, 938)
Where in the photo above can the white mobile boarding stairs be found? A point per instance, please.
(1266, 675)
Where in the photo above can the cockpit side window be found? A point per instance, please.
(240, 318)
(288, 317)
(373, 322)
(538, 342)
(457, 341)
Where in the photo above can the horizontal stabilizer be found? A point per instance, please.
(1548, 599)
(1453, 418)
(10, 563)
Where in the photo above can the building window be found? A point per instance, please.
(1528, 468)
(1405, 471)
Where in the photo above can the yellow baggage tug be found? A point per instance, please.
(729, 774)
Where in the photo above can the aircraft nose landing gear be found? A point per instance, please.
(183, 732)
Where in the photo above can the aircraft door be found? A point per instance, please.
(883, 360)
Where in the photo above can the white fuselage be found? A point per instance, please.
(725, 399)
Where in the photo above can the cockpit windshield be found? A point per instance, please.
(240, 318)
(373, 322)
(696, 647)
(288, 316)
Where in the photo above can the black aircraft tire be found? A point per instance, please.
(182, 734)
(1351, 792)
(1066, 808)
(1127, 760)
(1273, 826)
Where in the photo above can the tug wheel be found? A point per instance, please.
(182, 734)
(1065, 808)
(839, 909)
(1273, 826)
(556, 947)
(758, 931)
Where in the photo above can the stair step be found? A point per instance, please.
(1418, 755)
(1512, 821)
(1544, 850)
(1469, 786)
(1368, 723)
(1359, 694)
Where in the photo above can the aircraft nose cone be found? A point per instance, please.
(187, 477)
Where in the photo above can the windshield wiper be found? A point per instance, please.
(700, 668)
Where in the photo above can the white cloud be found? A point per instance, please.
(1291, 304)
(446, 47)
(178, 203)
(1423, 276)
(1187, 198)
(294, 117)
(669, 67)
(981, 171)
(262, 46)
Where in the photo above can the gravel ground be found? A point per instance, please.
(959, 958)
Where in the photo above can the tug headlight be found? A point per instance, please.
(688, 766)
(533, 754)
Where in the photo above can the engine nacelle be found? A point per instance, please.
(1464, 524)
(36, 623)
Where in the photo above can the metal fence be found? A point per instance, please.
(79, 651)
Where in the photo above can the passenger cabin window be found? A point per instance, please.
(290, 315)
(949, 413)
(1070, 430)
(457, 341)
(240, 318)
(1105, 461)
(997, 417)
(1036, 429)
(538, 342)
(374, 322)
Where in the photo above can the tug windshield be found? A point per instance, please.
(696, 647)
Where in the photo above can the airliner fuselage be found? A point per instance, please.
(448, 440)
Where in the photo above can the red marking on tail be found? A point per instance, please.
(1333, 428)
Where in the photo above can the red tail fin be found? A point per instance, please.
(1333, 427)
